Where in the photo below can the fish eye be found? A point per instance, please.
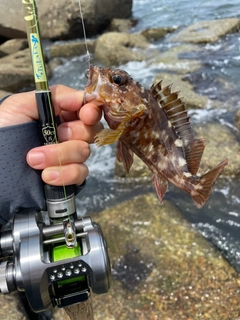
(117, 79)
(86, 73)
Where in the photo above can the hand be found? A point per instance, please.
(63, 162)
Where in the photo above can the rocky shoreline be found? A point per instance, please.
(162, 267)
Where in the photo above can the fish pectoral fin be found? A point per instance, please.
(109, 136)
(160, 185)
(124, 155)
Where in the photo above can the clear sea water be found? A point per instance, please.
(219, 220)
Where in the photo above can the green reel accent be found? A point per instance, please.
(62, 252)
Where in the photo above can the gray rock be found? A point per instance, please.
(121, 25)
(12, 46)
(71, 49)
(207, 31)
(16, 71)
(61, 19)
(220, 144)
(237, 119)
(4, 93)
(191, 99)
(155, 34)
(12, 24)
(170, 60)
(162, 267)
(114, 48)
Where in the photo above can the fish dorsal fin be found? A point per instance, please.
(176, 113)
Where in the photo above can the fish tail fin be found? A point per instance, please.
(203, 188)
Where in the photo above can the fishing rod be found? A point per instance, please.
(57, 257)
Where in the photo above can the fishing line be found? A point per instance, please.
(84, 33)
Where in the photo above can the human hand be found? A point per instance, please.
(63, 162)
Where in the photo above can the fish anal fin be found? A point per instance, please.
(124, 155)
(203, 188)
(160, 186)
(193, 154)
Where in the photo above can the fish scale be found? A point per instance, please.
(154, 125)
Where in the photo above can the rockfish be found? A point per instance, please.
(155, 126)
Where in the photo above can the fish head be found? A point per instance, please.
(115, 91)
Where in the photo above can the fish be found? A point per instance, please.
(153, 124)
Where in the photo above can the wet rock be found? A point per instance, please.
(12, 46)
(114, 48)
(61, 19)
(16, 71)
(175, 272)
(138, 169)
(237, 119)
(71, 49)
(155, 34)
(170, 61)
(12, 24)
(191, 99)
(11, 307)
(221, 143)
(207, 31)
(121, 25)
(4, 93)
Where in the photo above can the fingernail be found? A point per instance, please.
(36, 158)
(64, 133)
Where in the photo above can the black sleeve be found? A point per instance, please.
(21, 187)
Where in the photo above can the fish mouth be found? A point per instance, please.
(89, 90)
(89, 76)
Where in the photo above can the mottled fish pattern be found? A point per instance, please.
(154, 125)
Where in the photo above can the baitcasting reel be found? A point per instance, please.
(36, 259)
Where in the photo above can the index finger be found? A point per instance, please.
(66, 99)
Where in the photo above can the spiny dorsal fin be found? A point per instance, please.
(174, 109)
(176, 112)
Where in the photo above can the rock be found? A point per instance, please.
(162, 267)
(207, 31)
(12, 24)
(155, 34)
(61, 19)
(191, 99)
(220, 144)
(121, 25)
(4, 93)
(138, 169)
(12, 46)
(170, 60)
(71, 49)
(237, 119)
(113, 48)
(16, 71)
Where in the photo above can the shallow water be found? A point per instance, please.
(219, 220)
